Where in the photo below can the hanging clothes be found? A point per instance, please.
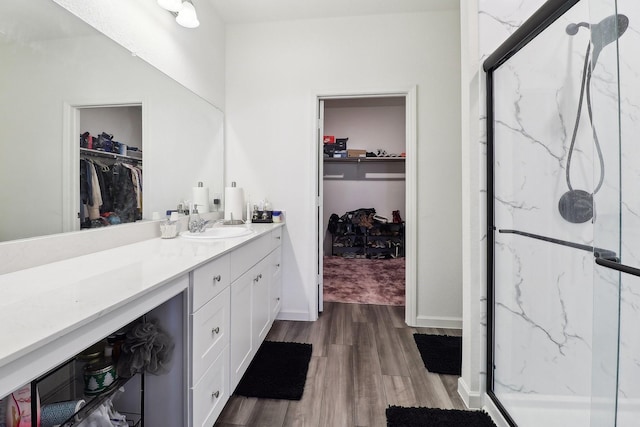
(109, 192)
(125, 203)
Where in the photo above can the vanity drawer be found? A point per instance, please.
(209, 396)
(208, 281)
(275, 284)
(245, 257)
(210, 327)
(276, 238)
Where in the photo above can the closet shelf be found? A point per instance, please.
(362, 159)
(90, 152)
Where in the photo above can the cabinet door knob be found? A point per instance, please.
(278, 299)
(215, 330)
(215, 394)
(260, 276)
(278, 265)
(217, 278)
(278, 237)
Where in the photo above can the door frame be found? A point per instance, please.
(411, 194)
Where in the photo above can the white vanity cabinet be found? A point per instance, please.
(234, 300)
(252, 312)
(209, 322)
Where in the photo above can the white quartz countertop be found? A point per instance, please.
(41, 304)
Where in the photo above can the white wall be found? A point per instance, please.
(368, 127)
(274, 73)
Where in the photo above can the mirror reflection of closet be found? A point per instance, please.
(110, 167)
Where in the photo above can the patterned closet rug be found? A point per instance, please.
(364, 281)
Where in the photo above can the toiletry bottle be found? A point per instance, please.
(194, 220)
(19, 408)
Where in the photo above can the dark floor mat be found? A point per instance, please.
(429, 417)
(278, 371)
(441, 354)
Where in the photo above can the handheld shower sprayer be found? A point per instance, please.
(603, 33)
(576, 206)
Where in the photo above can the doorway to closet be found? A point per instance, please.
(363, 199)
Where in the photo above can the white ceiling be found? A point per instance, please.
(244, 11)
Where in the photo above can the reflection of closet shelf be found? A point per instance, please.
(90, 152)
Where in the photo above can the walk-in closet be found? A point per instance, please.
(364, 142)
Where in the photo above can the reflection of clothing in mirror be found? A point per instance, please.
(94, 207)
(107, 189)
(123, 191)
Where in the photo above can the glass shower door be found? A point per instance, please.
(616, 322)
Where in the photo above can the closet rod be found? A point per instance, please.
(90, 152)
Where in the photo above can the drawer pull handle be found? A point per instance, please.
(215, 330)
(278, 265)
(215, 394)
(258, 277)
(278, 237)
(216, 278)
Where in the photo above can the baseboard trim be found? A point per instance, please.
(293, 315)
(493, 411)
(473, 400)
(439, 322)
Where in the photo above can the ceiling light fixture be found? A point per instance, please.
(184, 11)
(187, 16)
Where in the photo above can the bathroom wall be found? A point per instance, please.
(274, 73)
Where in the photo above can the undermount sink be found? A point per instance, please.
(221, 232)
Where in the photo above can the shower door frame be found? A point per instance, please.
(548, 13)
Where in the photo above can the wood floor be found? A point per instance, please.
(364, 359)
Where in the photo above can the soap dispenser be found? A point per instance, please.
(195, 222)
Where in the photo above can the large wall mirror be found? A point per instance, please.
(52, 66)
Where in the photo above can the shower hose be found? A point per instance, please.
(585, 86)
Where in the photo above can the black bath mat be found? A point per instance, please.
(279, 371)
(429, 417)
(441, 354)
